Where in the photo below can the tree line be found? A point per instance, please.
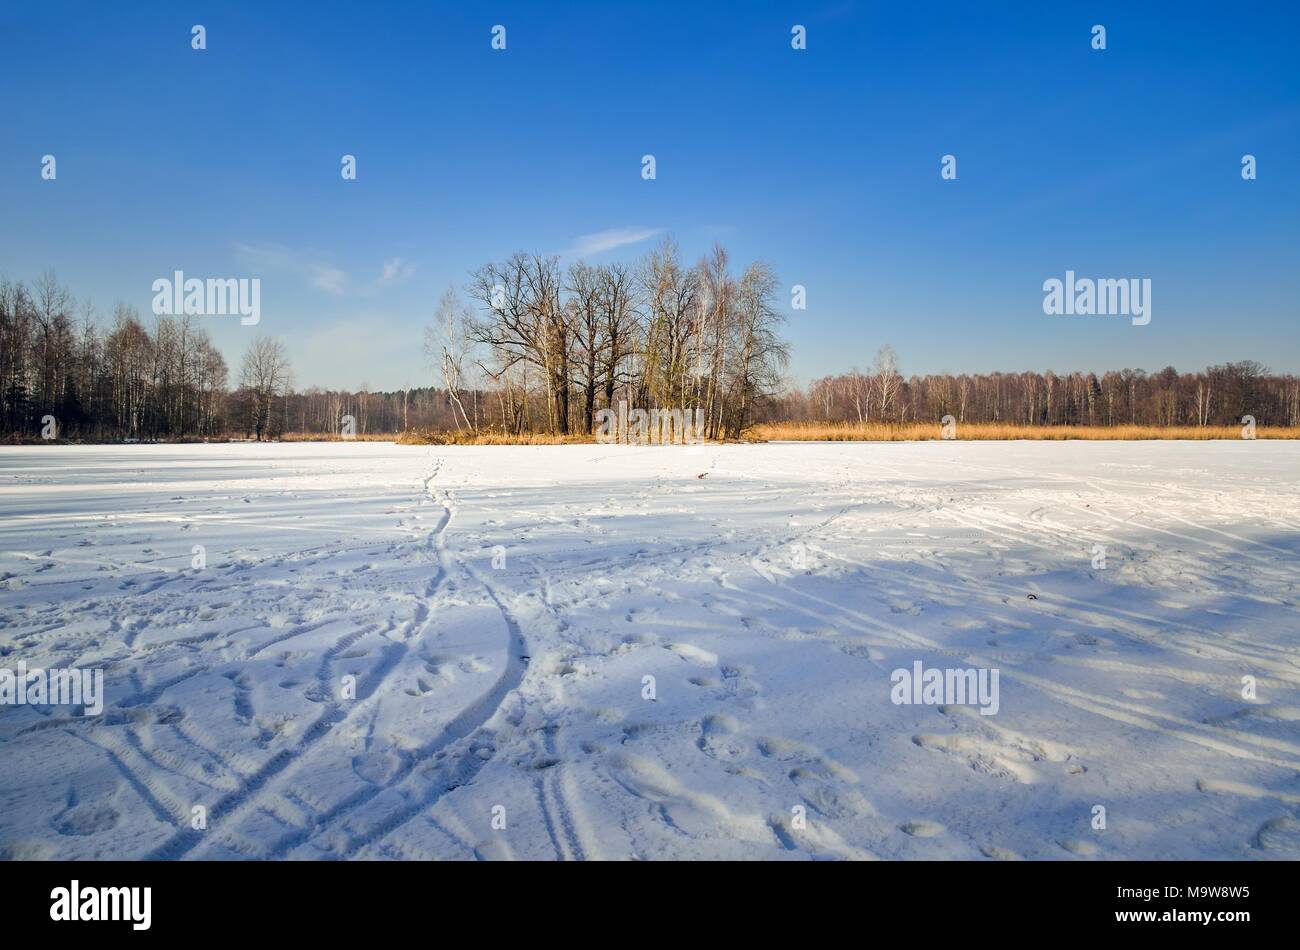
(540, 348)
(129, 380)
(545, 349)
(126, 380)
(1218, 395)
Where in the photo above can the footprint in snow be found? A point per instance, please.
(1085, 849)
(693, 654)
(1279, 834)
(87, 819)
(719, 740)
(999, 854)
(922, 829)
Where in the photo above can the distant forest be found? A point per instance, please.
(542, 351)
(1217, 395)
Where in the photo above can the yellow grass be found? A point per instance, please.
(465, 437)
(335, 437)
(980, 431)
(841, 432)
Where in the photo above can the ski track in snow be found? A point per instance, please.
(766, 593)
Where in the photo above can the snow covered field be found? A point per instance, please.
(501, 608)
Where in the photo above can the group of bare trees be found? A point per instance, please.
(549, 346)
(264, 378)
(126, 380)
(1219, 395)
(545, 348)
(321, 411)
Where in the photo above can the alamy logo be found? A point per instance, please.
(53, 687)
(212, 297)
(103, 903)
(947, 687)
(652, 427)
(1125, 297)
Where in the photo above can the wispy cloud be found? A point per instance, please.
(396, 271)
(318, 272)
(368, 346)
(277, 257)
(329, 279)
(602, 241)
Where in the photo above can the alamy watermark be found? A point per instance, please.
(53, 687)
(649, 427)
(78, 902)
(946, 687)
(212, 297)
(1083, 296)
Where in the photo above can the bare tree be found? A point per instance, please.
(264, 376)
(762, 355)
(673, 304)
(447, 345)
(618, 309)
(887, 379)
(585, 311)
(524, 322)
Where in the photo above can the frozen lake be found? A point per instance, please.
(623, 652)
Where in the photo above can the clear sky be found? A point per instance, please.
(1117, 163)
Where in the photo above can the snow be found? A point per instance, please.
(501, 607)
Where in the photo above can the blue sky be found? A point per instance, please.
(1119, 163)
